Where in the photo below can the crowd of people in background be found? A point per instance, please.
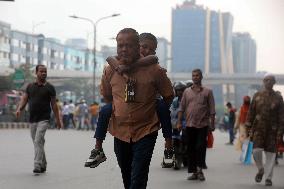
(186, 109)
(79, 116)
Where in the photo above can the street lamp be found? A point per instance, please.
(94, 23)
(36, 25)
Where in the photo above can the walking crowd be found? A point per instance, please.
(135, 87)
(79, 116)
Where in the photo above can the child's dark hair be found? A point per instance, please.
(148, 36)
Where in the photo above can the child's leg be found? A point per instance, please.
(102, 124)
(164, 116)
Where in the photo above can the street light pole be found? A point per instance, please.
(95, 44)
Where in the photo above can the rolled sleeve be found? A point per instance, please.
(211, 103)
(105, 87)
(164, 85)
(182, 104)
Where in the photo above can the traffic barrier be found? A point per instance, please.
(14, 125)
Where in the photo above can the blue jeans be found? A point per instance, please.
(103, 120)
(163, 113)
(231, 132)
(134, 160)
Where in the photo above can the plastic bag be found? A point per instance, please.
(210, 140)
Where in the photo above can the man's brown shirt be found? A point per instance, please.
(132, 121)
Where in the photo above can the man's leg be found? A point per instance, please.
(123, 153)
(231, 134)
(142, 154)
(40, 160)
(201, 150)
(191, 134)
(71, 116)
(33, 128)
(269, 164)
(257, 155)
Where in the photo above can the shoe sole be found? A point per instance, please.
(89, 164)
(258, 177)
(99, 162)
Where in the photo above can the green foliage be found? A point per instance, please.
(6, 83)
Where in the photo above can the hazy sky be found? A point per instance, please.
(262, 18)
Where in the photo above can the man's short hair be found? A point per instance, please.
(229, 104)
(197, 71)
(39, 65)
(132, 31)
(148, 36)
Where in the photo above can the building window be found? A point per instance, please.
(28, 60)
(28, 47)
(53, 65)
(52, 53)
(14, 57)
(23, 45)
(15, 43)
(44, 50)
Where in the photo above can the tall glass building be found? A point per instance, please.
(202, 38)
(244, 58)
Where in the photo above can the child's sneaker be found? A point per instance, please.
(167, 159)
(168, 154)
(96, 157)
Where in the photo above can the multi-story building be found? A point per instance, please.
(163, 53)
(244, 53)
(108, 51)
(74, 59)
(5, 44)
(23, 48)
(202, 38)
(77, 43)
(50, 53)
(244, 58)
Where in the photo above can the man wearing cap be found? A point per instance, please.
(265, 125)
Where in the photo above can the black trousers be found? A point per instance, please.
(134, 160)
(196, 143)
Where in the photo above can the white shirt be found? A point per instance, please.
(71, 108)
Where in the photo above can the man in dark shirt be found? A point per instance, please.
(232, 119)
(41, 97)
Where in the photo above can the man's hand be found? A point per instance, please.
(212, 128)
(179, 126)
(168, 143)
(121, 69)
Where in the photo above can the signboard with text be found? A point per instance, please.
(19, 78)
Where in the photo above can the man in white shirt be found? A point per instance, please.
(71, 109)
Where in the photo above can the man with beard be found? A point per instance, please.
(198, 105)
(265, 125)
(41, 97)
